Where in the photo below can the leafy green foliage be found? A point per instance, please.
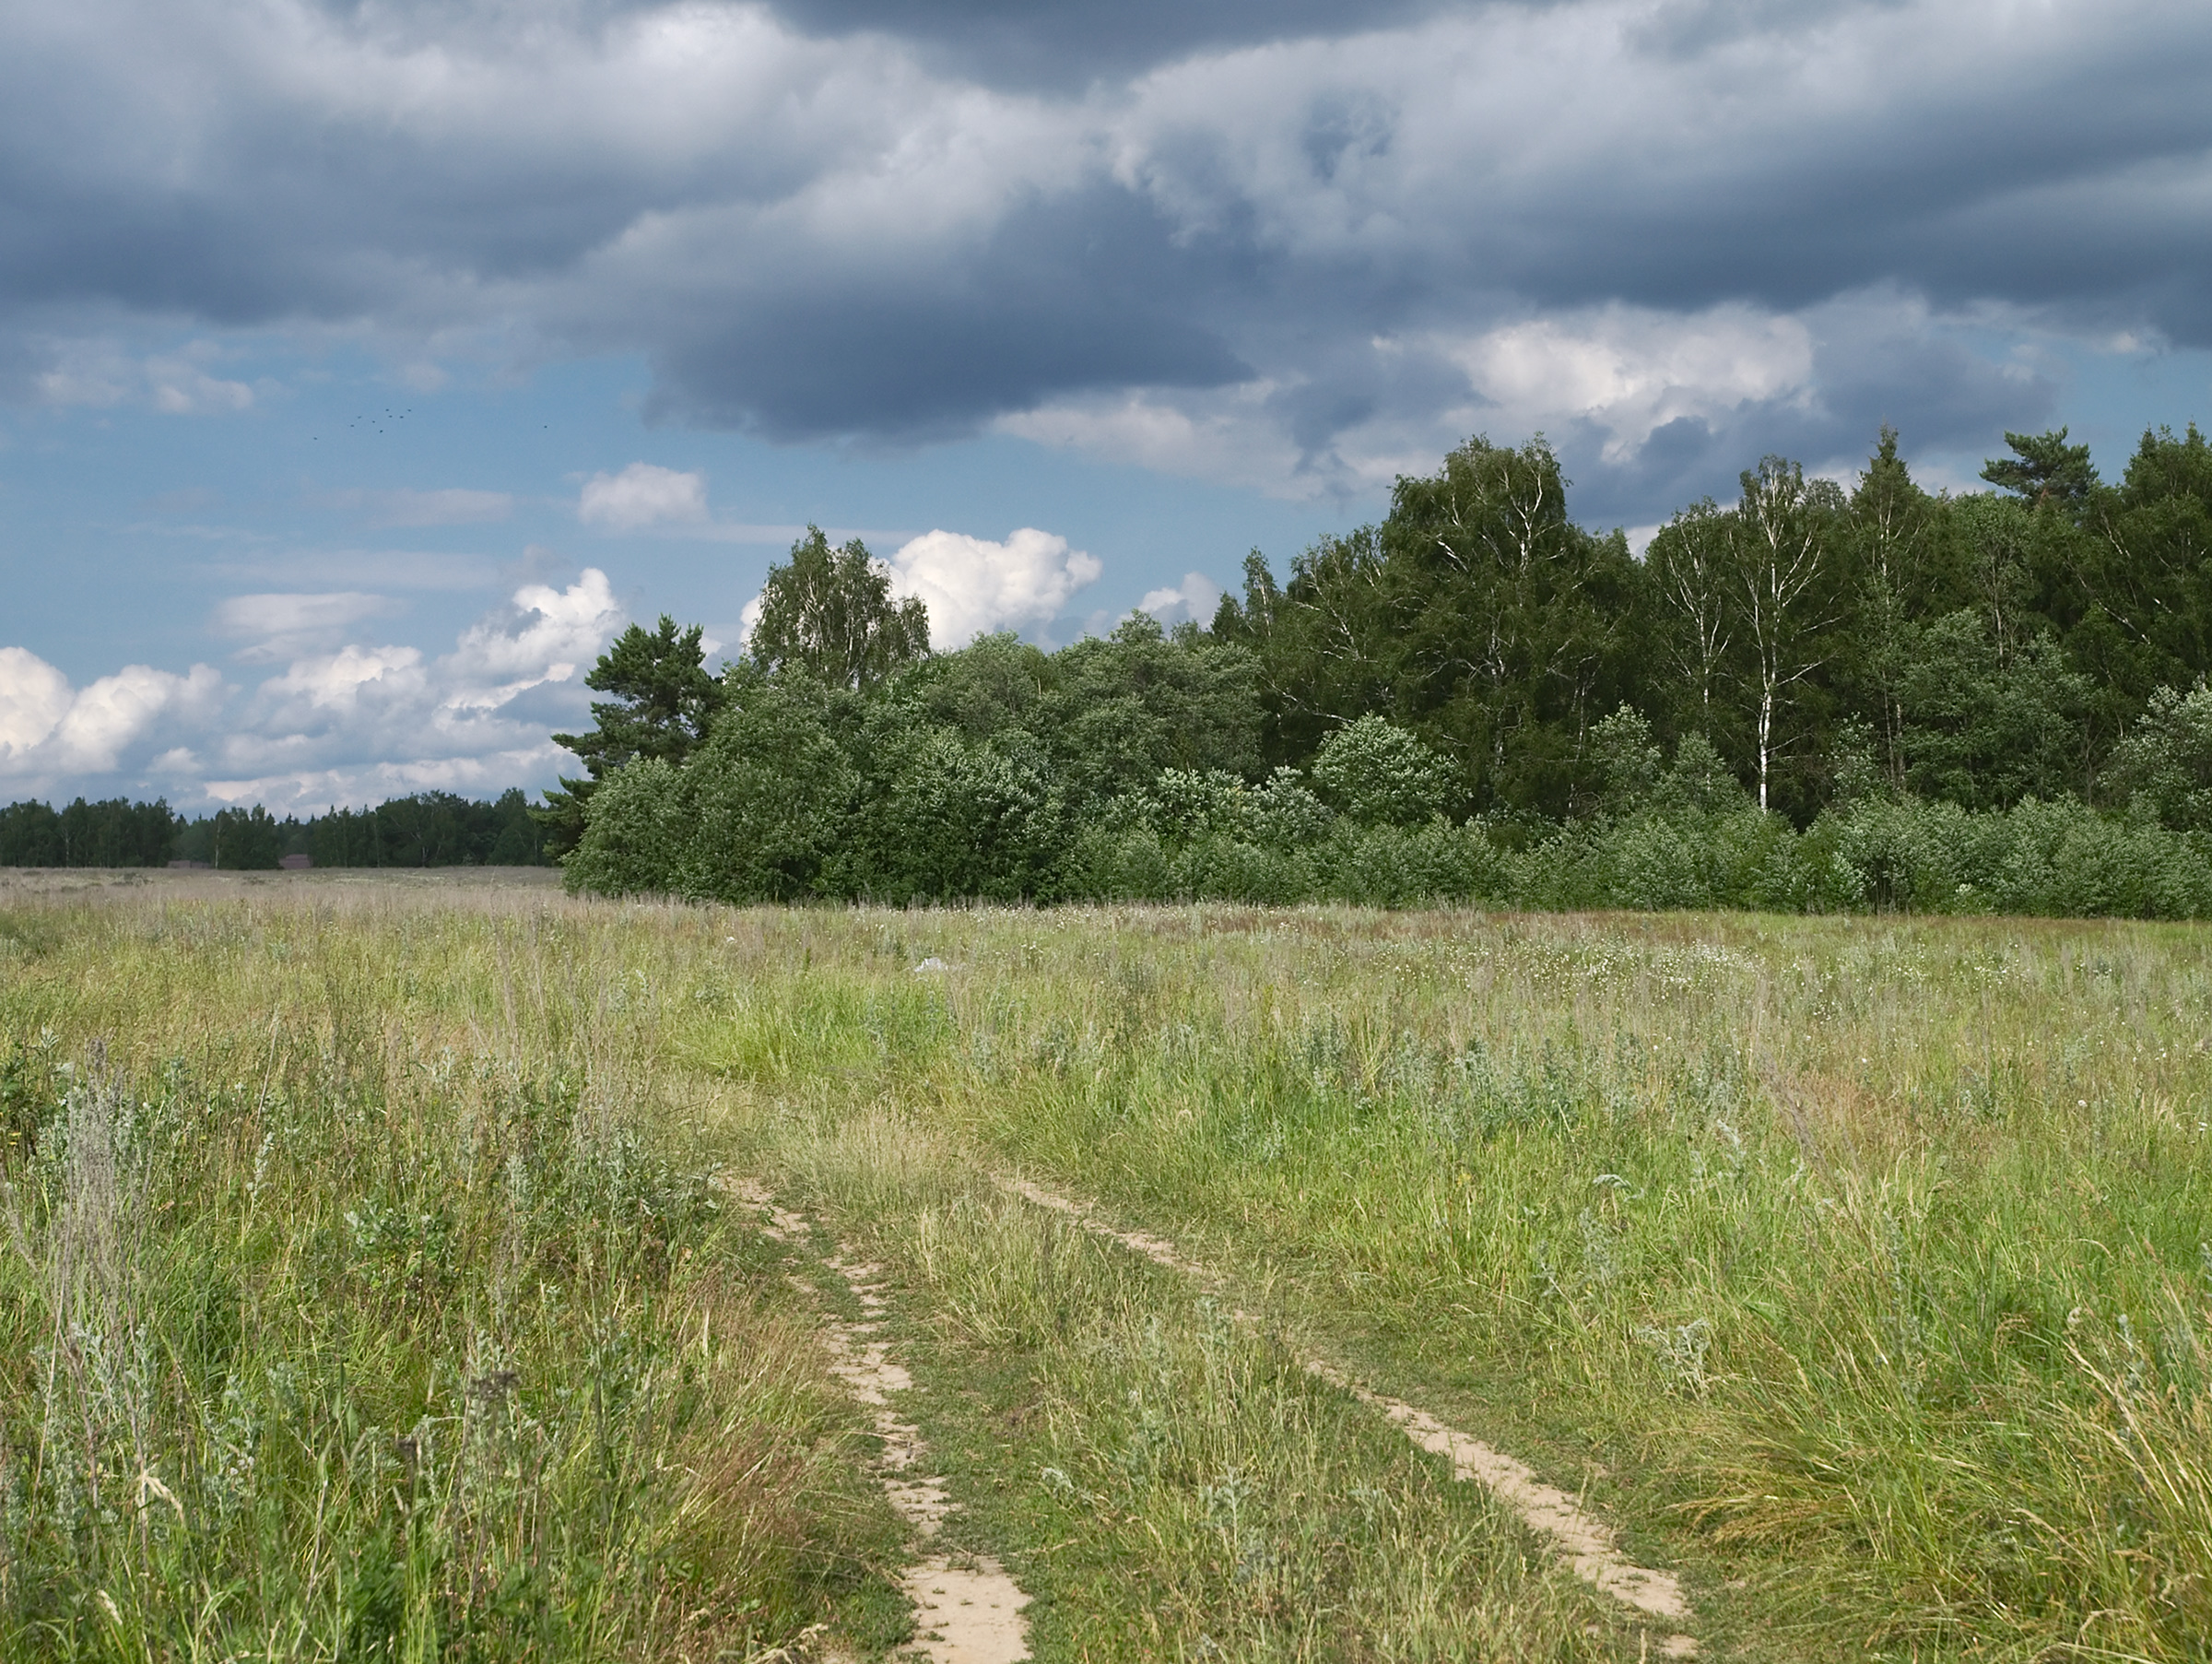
(246, 839)
(1985, 726)
(766, 799)
(754, 815)
(664, 701)
(1818, 701)
(1627, 763)
(828, 613)
(425, 828)
(2164, 766)
(1120, 709)
(2045, 470)
(1478, 615)
(957, 817)
(1378, 774)
(637, 832)
(116, 832)
(428, 828)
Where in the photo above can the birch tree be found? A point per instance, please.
(829, 614)
(1690, 569)
(1781, 546)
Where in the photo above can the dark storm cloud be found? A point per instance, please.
(2073, 188)
(1060, 296)
(1325, 237)
(1066, 44)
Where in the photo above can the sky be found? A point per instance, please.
(366, 365)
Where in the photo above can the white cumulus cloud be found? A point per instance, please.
(354, 722)
(50, 731)
(641, 495)
(283, 626)
(556, 633)
(1191, 601)
(1631, 371)
(34, 697)
(117, 710)
(971, 584)
(366, 723)
(337, 681)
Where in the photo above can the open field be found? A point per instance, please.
(410, 1270)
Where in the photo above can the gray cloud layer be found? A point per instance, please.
(1299, 245)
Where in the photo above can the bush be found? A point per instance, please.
(2060, 858)
(1120, 864)
(767, 797)
(636, 833)
(772, 809)
(2163, 768)
(754, 815)
(1380, 775)
(964, 819)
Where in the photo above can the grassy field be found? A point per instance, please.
(372, 1285)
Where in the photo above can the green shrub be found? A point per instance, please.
(1378, 773)
(637, 832)
(770, 810)
(962, 817)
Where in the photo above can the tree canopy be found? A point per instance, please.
(1816, 654)
(828, 613)
(664, 701)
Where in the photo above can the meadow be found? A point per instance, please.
(383, 1275)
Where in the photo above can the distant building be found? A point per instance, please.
(191, 866)
(296, 863)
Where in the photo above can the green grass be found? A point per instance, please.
(331, 1325)
(1856, 1268)
(1164, 1482)
(1867, 1259)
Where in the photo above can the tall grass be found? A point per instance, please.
(1868, 1258)
(1857, 1268)
(330, 1328)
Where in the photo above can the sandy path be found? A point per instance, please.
(967, 1611)
(1584, 1540)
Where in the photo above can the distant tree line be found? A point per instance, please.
(1808, 698)
(114, 833)
(427, 829)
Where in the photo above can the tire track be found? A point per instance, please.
(1579, 1537)
(966, 1611)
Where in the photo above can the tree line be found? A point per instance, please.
(1807, 697)
(1810, 696)
(426, 829)
(1977, 649)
